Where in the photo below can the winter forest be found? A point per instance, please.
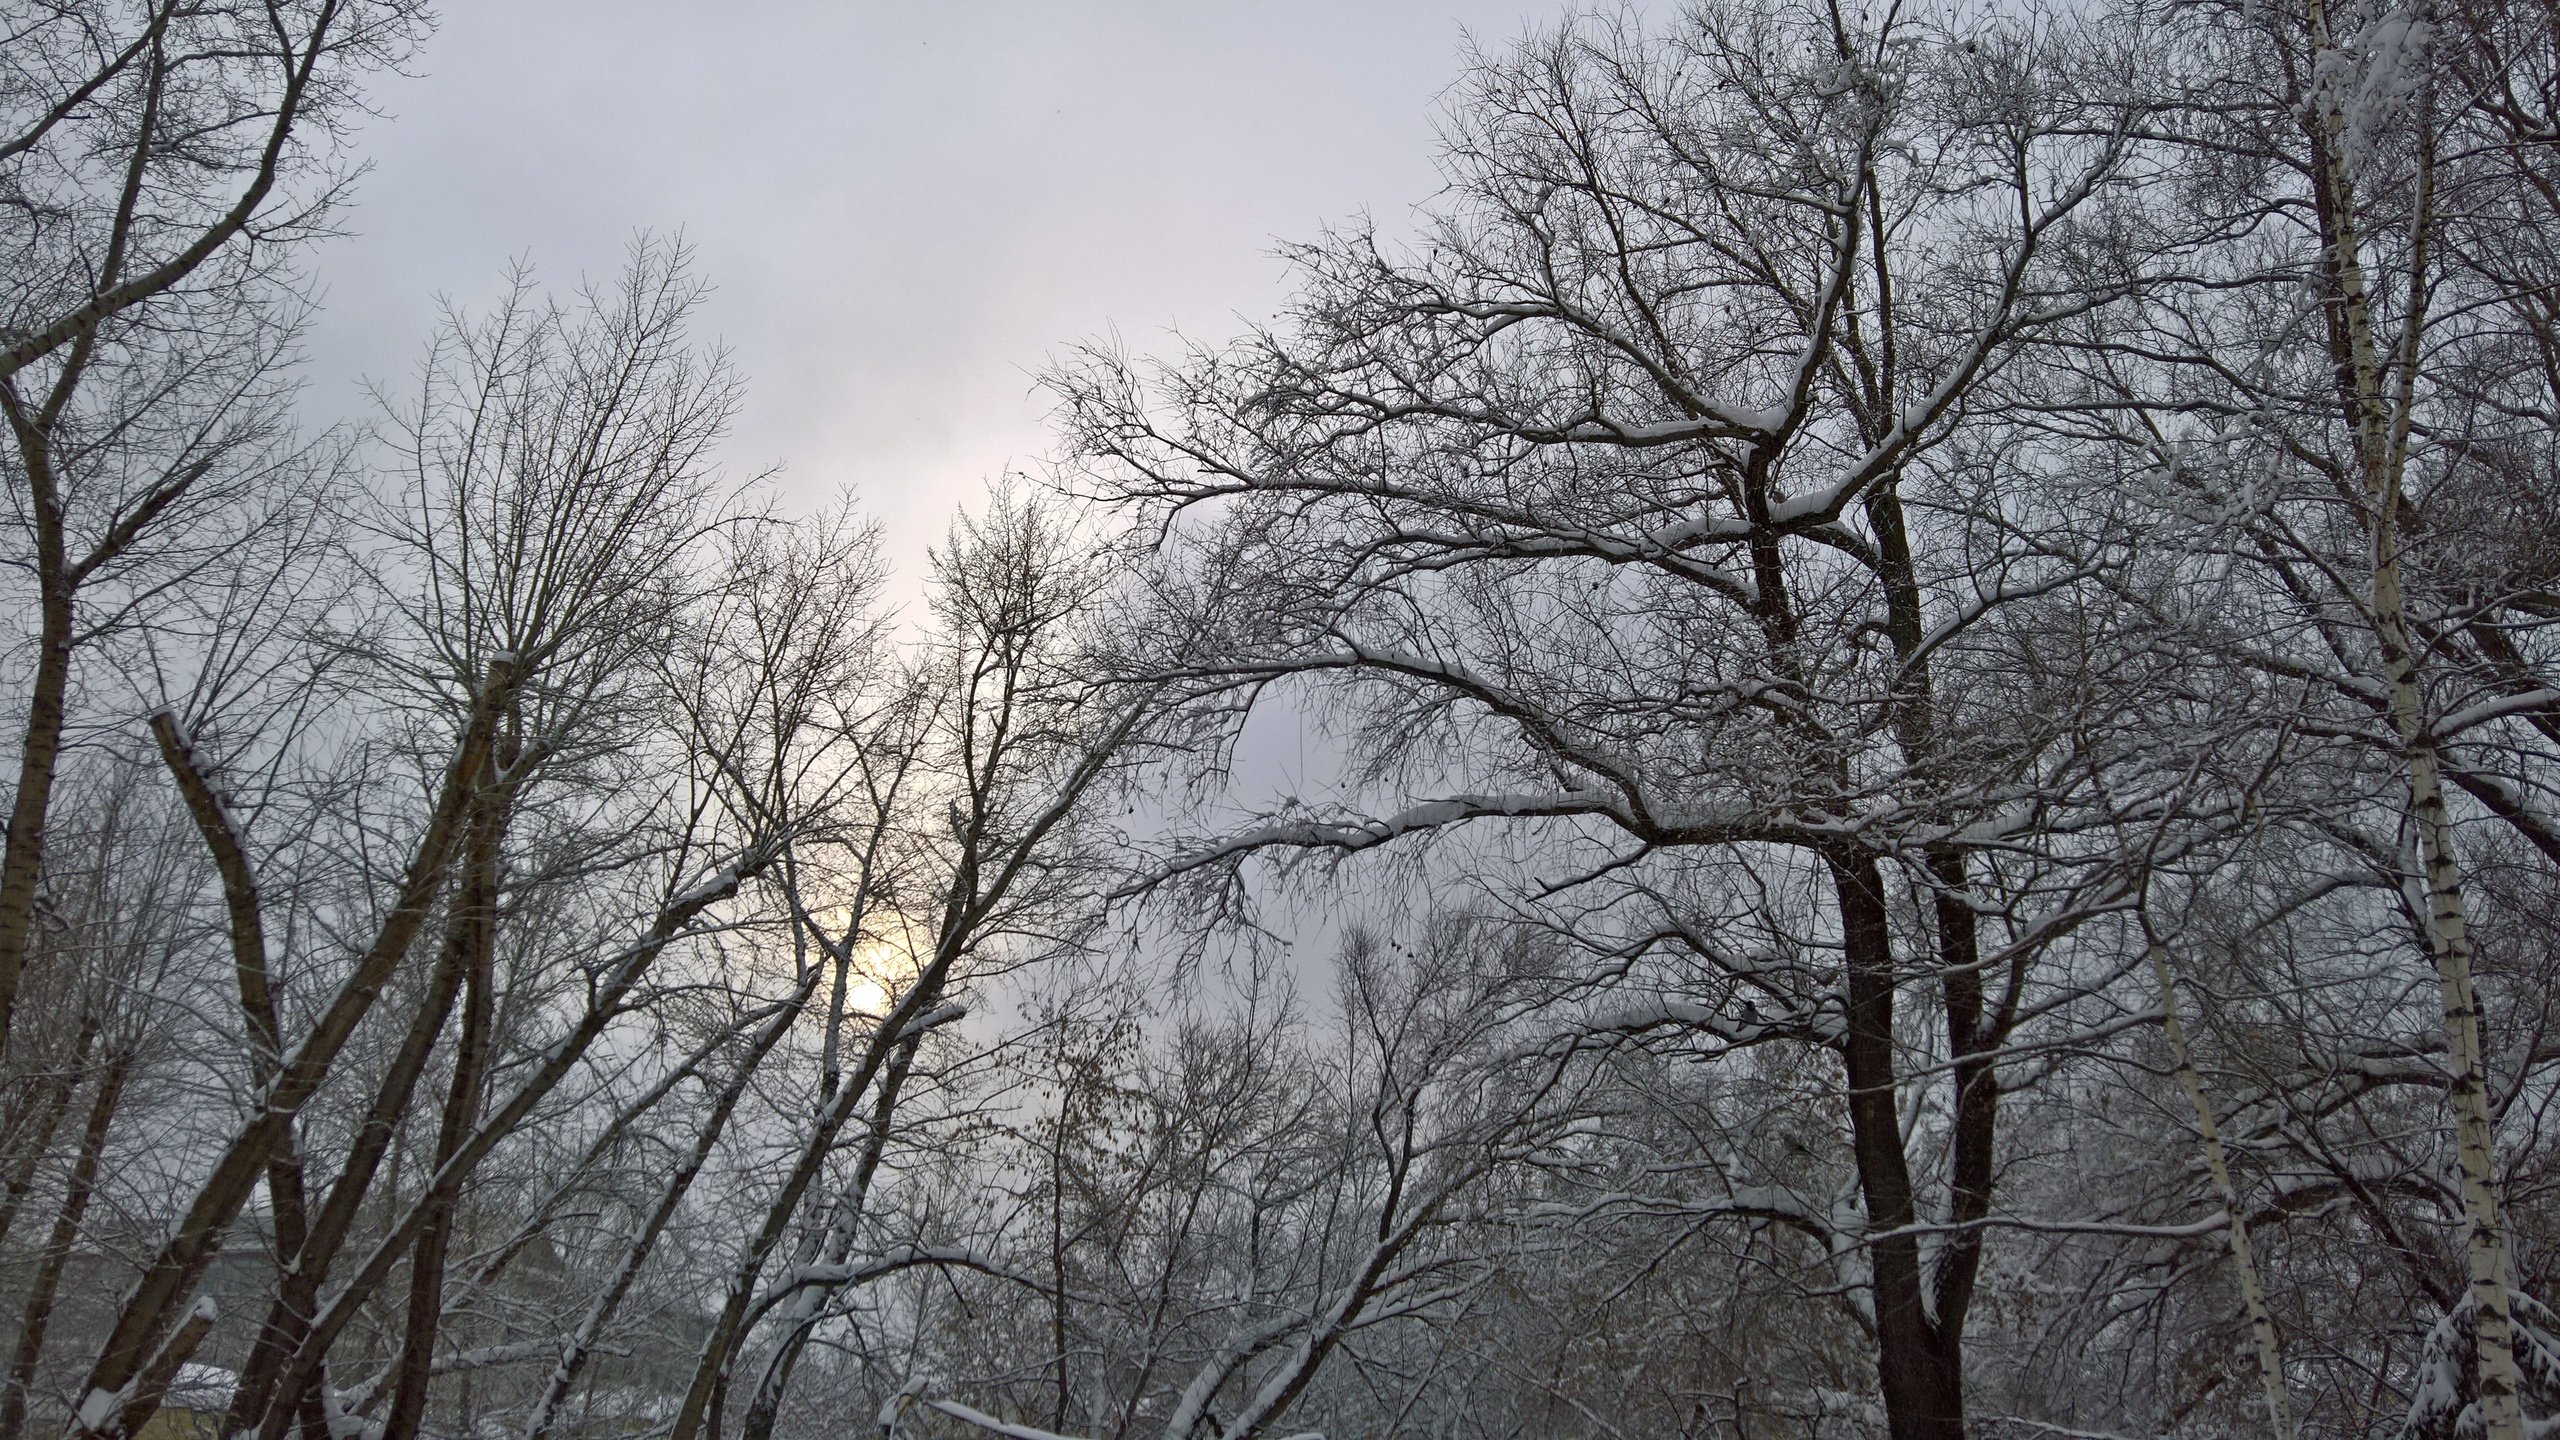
(1919, 645)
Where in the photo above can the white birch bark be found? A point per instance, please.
(2380, 431)
(2253, 1296)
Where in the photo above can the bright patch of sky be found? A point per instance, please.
(904, 207)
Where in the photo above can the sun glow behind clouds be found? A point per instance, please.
(879, 969)
(865, 994)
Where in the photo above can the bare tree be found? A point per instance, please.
(539, 548)
(163, 163)
(2347, 456)
(1930, 723)
(1258, 1196)
(1657, 523)
(1017, 734)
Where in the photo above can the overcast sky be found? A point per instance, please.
(903, 206)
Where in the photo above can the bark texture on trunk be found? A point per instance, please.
(472, 938)
(2378, 425)
(2253, 1296)
(1919, 1365)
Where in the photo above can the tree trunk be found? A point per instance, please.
(297, 1301)
(803, 1310)
(39, 754)
(1919, 1369)
(473, 939)
(575, 1351)
(2253, 1297)
(57, 1251)
(700, 1412)
(2379, 429)
(161, 1295)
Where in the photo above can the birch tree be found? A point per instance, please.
(2356, 443)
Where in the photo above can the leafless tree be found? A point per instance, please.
(162, 165)
(1015, 736)
(1928, 784)
(1223, 1215)
(1658, 516)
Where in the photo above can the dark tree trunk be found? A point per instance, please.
(39, 754)
(473, 941)
(83, 1184)
(1919, 1368)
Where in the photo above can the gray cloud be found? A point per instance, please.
(904, 207)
